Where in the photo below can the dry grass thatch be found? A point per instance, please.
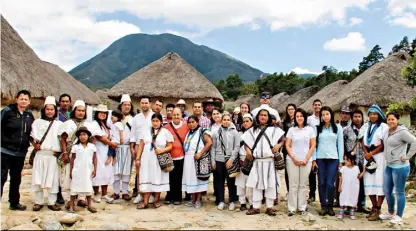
(381, 84)
(21, 69)
(103, 95)
(297, 98)
(278, 99)
(168, 77)
(252, 100)
(331, 90)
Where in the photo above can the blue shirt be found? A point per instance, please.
(330, 145)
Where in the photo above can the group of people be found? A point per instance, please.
(175, 153)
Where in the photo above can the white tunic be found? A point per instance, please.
(69, 127)
(115, 130)
(123, 165)
(152, 177)
(263, 174)
(373, 183)
(45, 172)
(241, 179)
(83, 168)
(350, 186)
(141, 125)
(190, 183)
(105, 174)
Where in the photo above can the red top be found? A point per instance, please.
(177, 149)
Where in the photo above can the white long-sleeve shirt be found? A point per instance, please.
(141, 125)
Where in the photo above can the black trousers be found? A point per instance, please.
(175, 182)
(361, 194)
(286, 175)
(312, 184)
(14, 165)
(222, 175)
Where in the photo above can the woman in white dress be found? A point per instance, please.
(373, 147)
(244, 192)
(198, 141)
(152, 178)
(45, 171)
(68, 138)
(105, 170)
(262, 177)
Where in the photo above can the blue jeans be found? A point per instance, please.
(327, 171)
(395, 178)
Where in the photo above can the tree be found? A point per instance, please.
(249, 88)
(233, 84)
(372, 58)
(409, 72)
(402, 46)
(220, 85)
(413, 48)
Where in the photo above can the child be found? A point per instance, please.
(116, 134)
(349, 185)
(83, 168)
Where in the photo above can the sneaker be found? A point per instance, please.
(396, 220)
(340, 216)
(231, 207)
(291, 213)
(221, 206)
(352, 217)
(96, 199)
(190, 204)
(198, 205)
(151, 199)
(137, 199)
(386, 216)
(108, 199)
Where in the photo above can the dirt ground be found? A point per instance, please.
(124, 215)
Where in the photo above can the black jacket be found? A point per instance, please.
(15, 130)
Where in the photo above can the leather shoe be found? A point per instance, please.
(18, 207)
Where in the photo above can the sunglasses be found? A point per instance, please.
(265, 97)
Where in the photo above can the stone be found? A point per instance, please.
(50, 223)
(115, 226)
(70, 219)
(187, 225)
(28, 226)
(308, 218)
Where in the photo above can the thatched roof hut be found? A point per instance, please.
(332, 90)
(103, 95)
(21, 69)
(170, 78)
(252, 100)
(381, 84)
(278, 99)
(297, 98)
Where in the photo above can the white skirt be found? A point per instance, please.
(45, 172)
(104, 174)
(241, 182)
(123, 164)
(190, 183)
(152, 178)
(373, 183)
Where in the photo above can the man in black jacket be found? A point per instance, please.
(16, 125)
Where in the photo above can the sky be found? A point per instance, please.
(271, 35)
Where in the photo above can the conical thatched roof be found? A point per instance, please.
(331, 90)
(168, 77)
(278, 99)
(103, 95)
(252, 100)
(381, 84)
(298, 98)
(21, 69)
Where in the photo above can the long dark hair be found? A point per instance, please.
(194, 117)
(43, 113)
(287, 116)
(159, 117)
(212, 118)
(269, 121)
(131, 112)
(358, 111)
(242, 127)
(100, 122)
(248, 105)
(72, 114)
(305, 118)
(322, 123)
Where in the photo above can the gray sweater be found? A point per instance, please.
(395, 146)
(231, 140)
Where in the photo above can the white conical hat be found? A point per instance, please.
(78, 103)
(50, 100)
(125, 98)
(181, 101)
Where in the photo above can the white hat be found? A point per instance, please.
(237, 109)
(125, 98)
(248, 115)
(78, 103)
(101, 108)
(181, 101)
(50, 100)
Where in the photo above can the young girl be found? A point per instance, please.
(83, 168)
(349, 185)
(116, 134)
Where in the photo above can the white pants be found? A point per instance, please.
(40, 200)
(270, 194)
(298, 185)
(269, 203)
(242, 194)
(124, 184)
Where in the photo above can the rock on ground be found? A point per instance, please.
(28, 226)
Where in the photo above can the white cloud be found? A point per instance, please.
(407, 20)
(402, 12)
(299, 70)
(56, 28)
(355, 21)
(354, 41)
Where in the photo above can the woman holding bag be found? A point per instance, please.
(45, 171)
(152, 178)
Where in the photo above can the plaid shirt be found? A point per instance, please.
(350, 136)
(204, 122)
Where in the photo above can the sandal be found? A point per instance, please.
(253, 211)
(142, 206)
(92, 209)
(270, 212)
(68, 205)
(157, 204)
